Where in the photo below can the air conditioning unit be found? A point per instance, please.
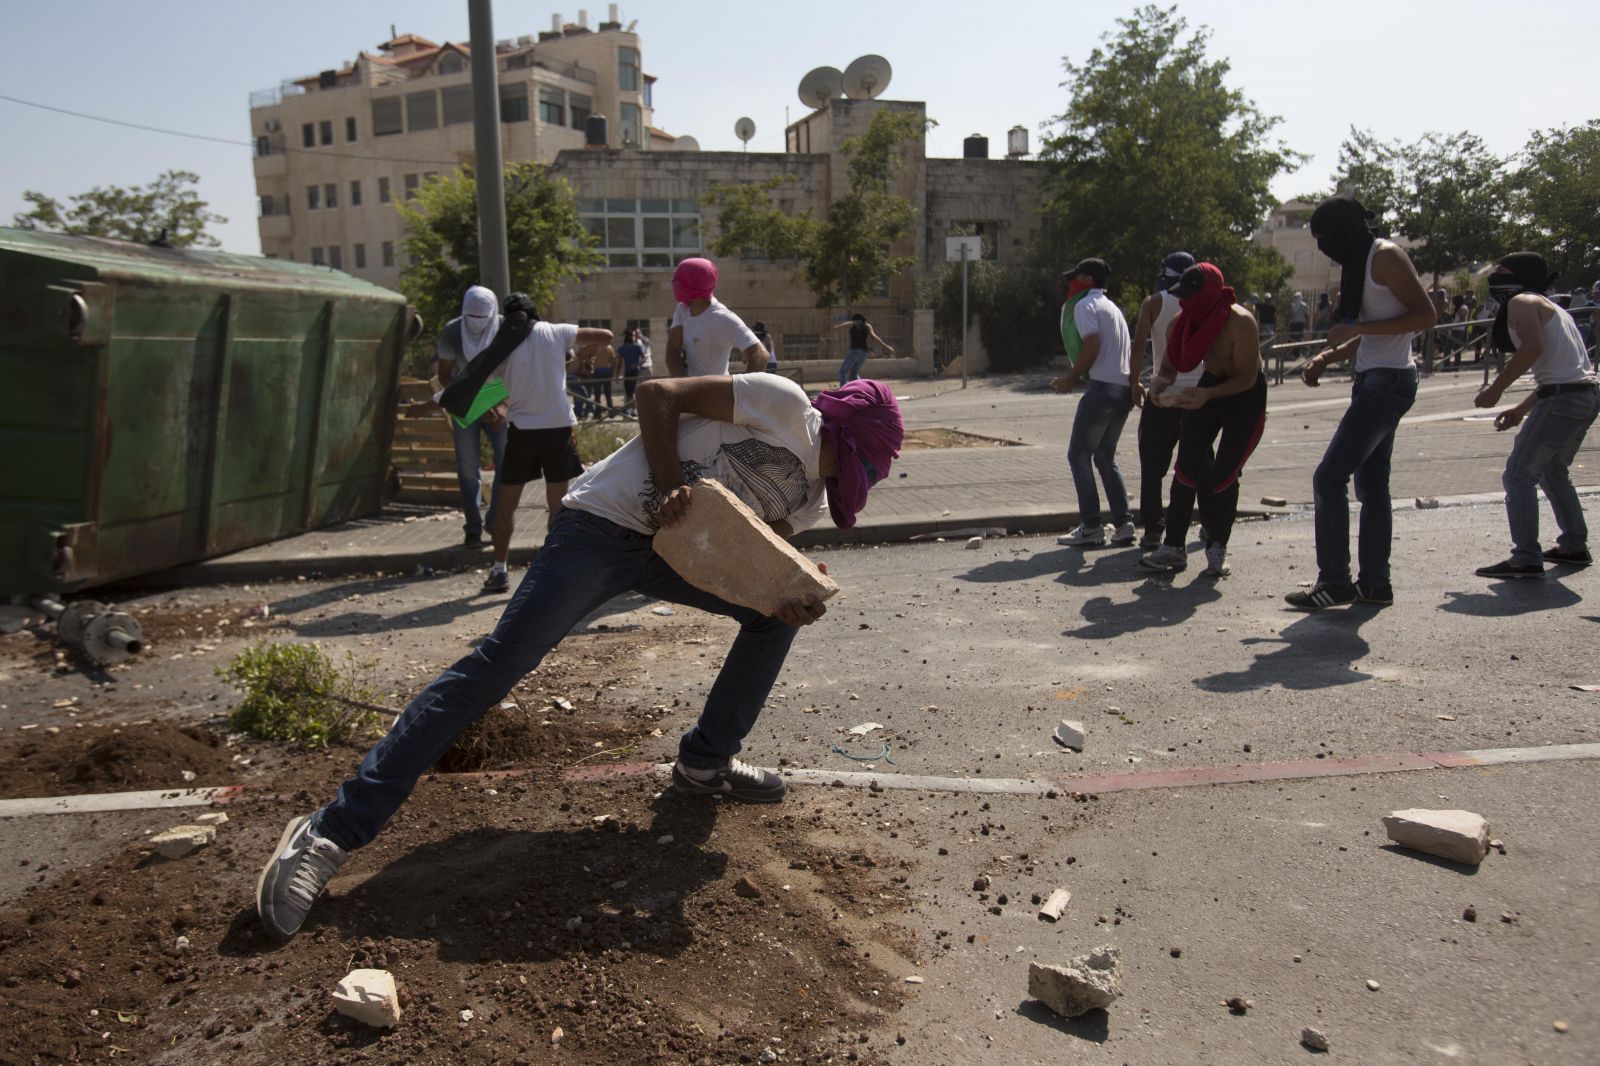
(271, 125)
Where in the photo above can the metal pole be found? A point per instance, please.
(963, 316)
(494, 266)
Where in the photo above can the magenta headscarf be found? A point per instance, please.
(861, 423)
(695, 279)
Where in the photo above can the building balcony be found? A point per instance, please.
(274, 227)
(275, 165)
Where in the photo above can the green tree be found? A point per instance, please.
(1451, 201)
(545, 239)
(1156, 152)
(849, 254)
(136, 213)
(1555, 199)
(1369, 170)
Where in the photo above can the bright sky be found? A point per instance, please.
(1399, 67)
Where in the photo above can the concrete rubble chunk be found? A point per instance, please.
(974, 542)
(211, 818)
(182, 840)
(1460, 836)
(370, 997)
(1275, 501)
(1070, 734)
(1051, 908)
(1086, 983)
(721, 547)
(1315, 1039)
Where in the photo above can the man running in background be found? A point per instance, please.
(1158, 425)
(703, 330)
(862, 336)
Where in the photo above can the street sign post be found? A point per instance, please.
(964, 250)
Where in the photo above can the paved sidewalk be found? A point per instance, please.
(1446, 448)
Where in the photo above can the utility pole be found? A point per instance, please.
(964, 249)
(494, 266)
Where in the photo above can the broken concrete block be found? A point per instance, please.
(1087, 983)
(1315, 1039)
(211, 818)
(1460, 836)
(721, 547)
(1274, 501)
(1427, 503)
(183, 840)
(368, 996)
(1070, 734)
(1052, 907)
(974, 542)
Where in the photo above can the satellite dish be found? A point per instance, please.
(820, 86)
(686, 143)
(867, 77)
(744, 129)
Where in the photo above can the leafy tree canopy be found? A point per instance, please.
(136, 213)
(1555, 200)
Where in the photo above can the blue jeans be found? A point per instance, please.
(1095, 431)
(469, 470)
(1361, 447)
(1544, 449)
(586, 560)
(850, 369)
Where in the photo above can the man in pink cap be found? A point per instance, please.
(703, 330)
(785, 456)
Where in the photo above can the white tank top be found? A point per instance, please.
(1563, 360)
(1158, 342)
(1379, 304)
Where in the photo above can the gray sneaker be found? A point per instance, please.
(1166, 559)
(1217, 560)
(1123, 534)
(737, 780)
(295, 876)
(1084, 537)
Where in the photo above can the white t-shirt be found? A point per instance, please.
(769, 456)
(1095, 314)
(535, 374)
(709, 336)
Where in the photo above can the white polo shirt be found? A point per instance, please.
(709, 336)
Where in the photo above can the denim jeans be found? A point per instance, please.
(586, 560)
(850, 369)
(1093, 446)
(1361, 447)
(469, 470)
(1158, 439)
(1544, 449)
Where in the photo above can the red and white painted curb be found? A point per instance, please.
(1182, 777)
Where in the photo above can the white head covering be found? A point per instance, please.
(478, 305)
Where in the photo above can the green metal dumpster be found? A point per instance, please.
(163, 406)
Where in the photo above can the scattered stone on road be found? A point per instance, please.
(1070, 735)
(182, 840)
(1460, 836)
(974, 542)
(1470, 914)
(1372, 986)
(1238, 1004)
(1051, 908)
(211, 818)
(747, 888)
(1315, 1039)
(1086, 983)
(1427, 503)
(1274, 501)
(368, 996)
(1560, 1026)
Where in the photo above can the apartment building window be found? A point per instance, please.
(316, 257)
(330, 194)
(313, 197)
(422, 111)
(386, 116)
(411, 186)
(655, 233)
(274, 205)
(457, 104)
(350, 128)
(513, 103)
(383, 190)
(553, 107)
(595, 323)
(355, 192)
(308, 136)
(388, 253)
(336, 257)
(325, 127)
(581, 108)
(632, 128)
(359, 252)
(628, 69)
(649, 93)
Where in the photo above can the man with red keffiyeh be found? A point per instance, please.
(1229, 400)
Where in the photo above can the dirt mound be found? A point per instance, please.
(101, 759)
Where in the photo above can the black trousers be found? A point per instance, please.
(1208, 469)
(1158, 439)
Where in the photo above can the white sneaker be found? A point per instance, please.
(1166, 559)
(1084, 536)
(1217, 560)
(1124, 534)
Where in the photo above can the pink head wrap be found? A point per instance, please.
(861, 423)
(695, 279)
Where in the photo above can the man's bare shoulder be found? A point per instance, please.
(1241, 322)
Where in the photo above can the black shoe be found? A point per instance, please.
(1320, 595)
(1509, 569)
(737, 780)
(1150, 541)
(473, 540)
(1568, 556)
(1380, 593)
(497, 581)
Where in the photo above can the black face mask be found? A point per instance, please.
(1503, 287)
(1343, 236)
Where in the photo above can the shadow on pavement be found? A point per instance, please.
(1462, 868)
(1094, 1027)
(1072, 566)
(1318, 651)
(1157, 603)
(1510, 598)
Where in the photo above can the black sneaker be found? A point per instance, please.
(1568, 556)
(1321, 595)
(497, 581)
(473, 540)
(295, 876)
(1380, 593)
(1509, 569)
(1150, 541)
(737, 780)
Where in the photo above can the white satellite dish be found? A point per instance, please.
(745, 129)
(820, 86)
(686, 143)
(867, 77)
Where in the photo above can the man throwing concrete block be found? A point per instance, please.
(780, 454)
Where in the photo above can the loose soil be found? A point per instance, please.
(924, 439)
